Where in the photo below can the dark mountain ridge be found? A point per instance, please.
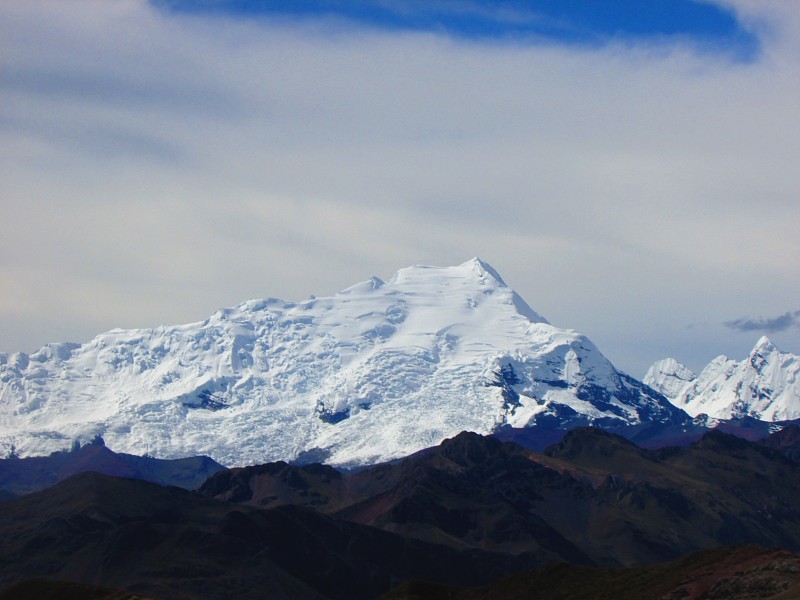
(593, 497)
(466, 512)
(25, 475)
(651, 434)
(741, 573)
(786, 441)
(166, 542)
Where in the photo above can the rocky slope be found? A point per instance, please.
(742, 573)
(464, 513)
(592, 498)
(164, 542)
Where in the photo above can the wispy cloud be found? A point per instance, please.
(771, 325)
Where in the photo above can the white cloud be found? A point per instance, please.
(154, 167)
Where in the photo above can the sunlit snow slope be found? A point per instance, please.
(765, 385)
(374, 372)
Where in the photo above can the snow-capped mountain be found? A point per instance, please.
(668, 377)
(765, 385)
(375, 372)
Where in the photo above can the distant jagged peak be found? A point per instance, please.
(671, 367)
(763, 346)
(766, 353)
(765, 386)
(668, 377)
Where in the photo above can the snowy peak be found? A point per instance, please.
(668, 377)
(482, 270)
(474, 270)
(473, 282)
(471, 276)
(374, 372)
(764, 386)
(763, 345)
(761, 354)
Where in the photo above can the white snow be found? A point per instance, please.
(668, 377)
(765, 385)
(375, 372)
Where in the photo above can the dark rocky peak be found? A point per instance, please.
(469, 449)
(320, 470)
(273, 484)
(719, 441)
(741, 449)
(590, 442)
(789, 435)
(105, 499)
(25, 475)
(786, 441)
(234, 485)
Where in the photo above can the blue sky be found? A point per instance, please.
(628, 167)
(562, 21)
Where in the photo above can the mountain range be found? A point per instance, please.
(465, 513)
(473, 450)
(20, 476)
(593, 498)
(372, 373)
(764, 386)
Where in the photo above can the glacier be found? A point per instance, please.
(764, 386)
(375, 372)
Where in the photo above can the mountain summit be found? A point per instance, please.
(375, 372)
(765, 385)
